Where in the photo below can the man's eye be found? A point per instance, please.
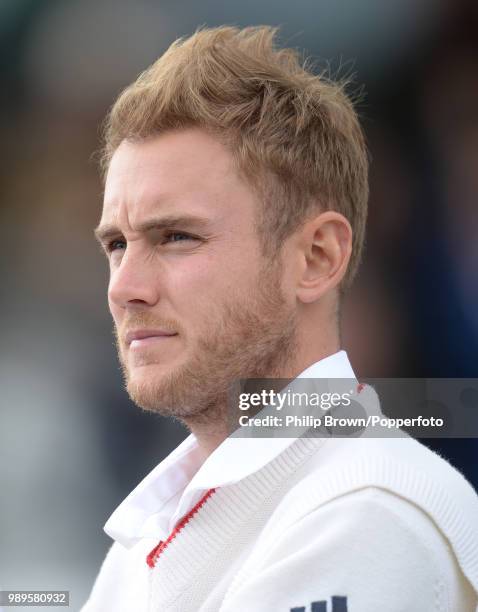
(120, 244)
(177, 237)
(114, 245)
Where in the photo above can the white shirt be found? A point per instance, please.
(358, 524)
(174, 486)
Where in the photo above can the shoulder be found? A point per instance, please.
(372, 547)
(393, 491)
(401, 465)
(375, 526)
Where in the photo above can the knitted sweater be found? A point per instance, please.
(329, 525)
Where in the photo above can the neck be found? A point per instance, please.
(208, 441)
(211, 427)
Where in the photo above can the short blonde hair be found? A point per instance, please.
(295, 136)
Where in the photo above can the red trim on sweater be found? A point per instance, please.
(152, 557)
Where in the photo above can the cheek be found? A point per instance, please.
(198, 291)
(193, 280)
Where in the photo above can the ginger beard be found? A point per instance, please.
(252, 338)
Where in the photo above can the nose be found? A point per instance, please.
(133, 282)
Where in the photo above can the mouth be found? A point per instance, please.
(146, 337)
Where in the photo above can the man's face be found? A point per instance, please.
(195, 304)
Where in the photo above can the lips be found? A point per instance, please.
(142, 334)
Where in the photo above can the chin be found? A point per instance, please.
(151, 386)
(150, 375)
(144, 392)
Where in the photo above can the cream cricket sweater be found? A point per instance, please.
(328, 525)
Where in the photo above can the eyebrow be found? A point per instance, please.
(103, 232)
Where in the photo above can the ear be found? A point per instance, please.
(326, 246)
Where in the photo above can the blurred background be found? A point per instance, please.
(72, 445)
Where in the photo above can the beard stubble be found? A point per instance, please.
(254, 337)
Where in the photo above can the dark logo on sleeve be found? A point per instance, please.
(339, 604)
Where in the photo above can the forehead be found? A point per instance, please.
(174, 172)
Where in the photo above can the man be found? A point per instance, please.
(233, 221)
